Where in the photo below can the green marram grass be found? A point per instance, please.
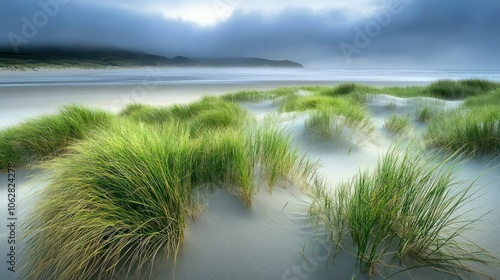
(428, 108)
(249, 96)
(258, 96)
(122, 187)
(491, 98)
(125, 191)
(329, 123)
(47, 136)
(123, 195)
(327, 116)
(398, 124)
(450, 89)
(447, 89)
(474, 130)
(425, 114)
(406, 209)
(209, 112)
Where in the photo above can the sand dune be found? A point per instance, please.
(273, 239)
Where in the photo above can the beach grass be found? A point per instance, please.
(447, 89)
(122, 188)
(398, 124)
(327, 116)
(249, 96)
(428, 109)
(47, 136)
(329, 123)
(425, 114)
(258, 96)
(407, 208)
(209, 112)
(451, 89)
(125, 192)
(474, 130)
(491, 98)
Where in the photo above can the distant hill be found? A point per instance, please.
(99, 58)
(247, 62)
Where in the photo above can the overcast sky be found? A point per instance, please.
(402, 34)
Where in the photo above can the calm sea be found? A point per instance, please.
(232, 76)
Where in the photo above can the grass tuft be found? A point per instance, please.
(249, 96)
(450, 89)
(398, 124)
(491, 98)
(124, 194)
(345, 88)
(208, 113)
(476, 130)
(407, 208)
(48, 136)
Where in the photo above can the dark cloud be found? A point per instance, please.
(418, 33)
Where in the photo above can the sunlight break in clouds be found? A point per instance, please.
(211, 12)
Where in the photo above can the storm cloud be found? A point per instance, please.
(394, 34)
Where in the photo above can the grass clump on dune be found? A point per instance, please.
(258, 96)
(311, 102)
(475, 130)
(122, 196)
(425, 114)
(398, 124)
(406, 209)
(249, 96)
(47, 136)
(345, 88)
(330, 122)
(124, 193)
(491, 98)
(450, 89)
(209, 112)
(272, 150)
(327, 116)
(428, 109)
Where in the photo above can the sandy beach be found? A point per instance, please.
(273, 239)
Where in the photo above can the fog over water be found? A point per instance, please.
(192, 76)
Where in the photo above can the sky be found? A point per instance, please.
(353, 34)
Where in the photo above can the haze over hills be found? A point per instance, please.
(99, 58)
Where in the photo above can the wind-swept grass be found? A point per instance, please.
(311, 102)
(425, 114)
(208, 113)
(272, 147)
(345, 88)
(258, 96)
(407, 208)
(249, 96)
(451, 89)
(475, 130)
(123, 195)
(327, 116)
(47, 136)
(398, 124)
(491, 98)
(426, 109)
(330, 122)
